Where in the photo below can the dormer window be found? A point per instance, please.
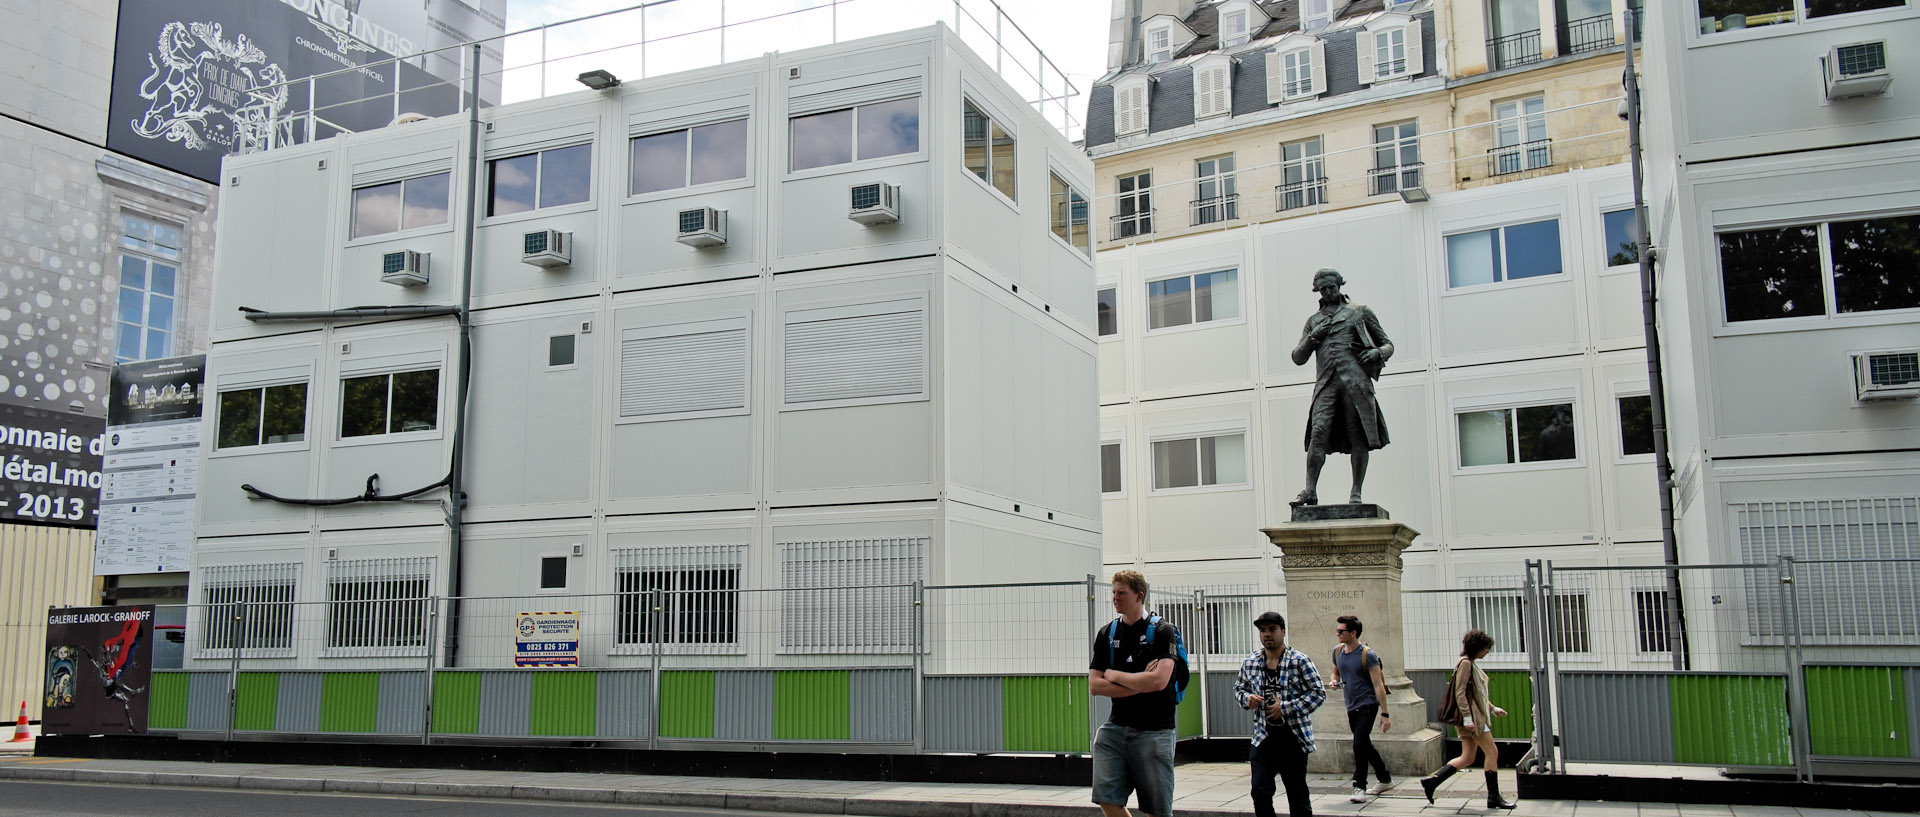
(1159, 43)
(1213, 86)
(1239, 21)
(1390, 48)
(1130, 105)
(1296, 69)
(1314, 13)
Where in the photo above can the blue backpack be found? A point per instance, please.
(1180, 674)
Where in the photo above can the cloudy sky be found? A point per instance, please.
(684, 34)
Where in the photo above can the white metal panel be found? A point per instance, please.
(683, 369)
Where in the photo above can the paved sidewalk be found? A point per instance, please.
(1203, 790)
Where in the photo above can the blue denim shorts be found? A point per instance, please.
(1127, 760)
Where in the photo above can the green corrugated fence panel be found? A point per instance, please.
(167, 702)
(1186, 715)
(1857, 711)
(256, 700)
(812, 705)
(456, 703)
(1730, 720)
(349, 701)
(564, 703)
(1044, 714)
(1512, 691)
(686, 704)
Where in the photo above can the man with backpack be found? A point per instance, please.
(1357, 667)
(1140, 662)
(1281, 686)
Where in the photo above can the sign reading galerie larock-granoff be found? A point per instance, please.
(99, 667)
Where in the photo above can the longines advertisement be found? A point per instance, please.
(194, 80)
(99, 666)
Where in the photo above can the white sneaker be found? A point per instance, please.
(1359, 795)
(1379, 788)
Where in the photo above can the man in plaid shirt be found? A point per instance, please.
(1281, 686)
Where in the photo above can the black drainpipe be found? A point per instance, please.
(456, 495)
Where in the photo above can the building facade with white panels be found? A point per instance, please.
(828, 398)
(1516, 396)
(1786, 213)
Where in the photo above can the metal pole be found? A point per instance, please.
(426, 714)
(1797, 719)
(236, 634)
(311, 113)
(1093, 722)
(919, 619)
(1656, 381)
(655, 614)
(456, 494)
(1200, 610)
(543, 57)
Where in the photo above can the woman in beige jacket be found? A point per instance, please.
(1469, 690)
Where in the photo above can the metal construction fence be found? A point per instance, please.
(1779, 665)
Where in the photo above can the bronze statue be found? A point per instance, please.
(1345, 416)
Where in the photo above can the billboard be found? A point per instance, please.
(99, 666)
(49, 467)
(151, 468)
(195, 80)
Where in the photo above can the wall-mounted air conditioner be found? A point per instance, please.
(874, 203)
(1890, 375)
(702, 227)
(1859, 69)
(547, 248)
(404, 268)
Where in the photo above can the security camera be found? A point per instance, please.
(1622, 111)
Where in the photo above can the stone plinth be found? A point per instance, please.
(1345, 559)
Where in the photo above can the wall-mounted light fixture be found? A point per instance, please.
(599, 79)
(1414, 195)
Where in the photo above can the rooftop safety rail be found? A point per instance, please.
(646, 39)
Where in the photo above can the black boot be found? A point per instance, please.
(1432, 781)
(1493, 792)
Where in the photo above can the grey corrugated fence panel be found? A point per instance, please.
(743, 705)
(882, 705)
(1430, 684)
(1913, 712)
(506, 701)
(965, 714)
(1102, 710)
(623, 704)
(1225, 718)
(298, 709)
(402, 709)
(1616, 717)
(207, 701)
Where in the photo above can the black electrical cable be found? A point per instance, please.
(372, 494)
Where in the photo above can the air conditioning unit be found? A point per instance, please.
(1859, 69)
(874, 203)
(1893, 375)
(547, 248)
(703, 227)
(404, 268)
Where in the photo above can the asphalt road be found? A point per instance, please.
(25, 799)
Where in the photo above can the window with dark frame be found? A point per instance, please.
(1110, 477)
(1135, 206)
(1215, 196)
(391, 403)
(560, 350)
(534, 181)
(150, 260)
(1396, 158)
(1108, 311)
(1067, 211)
(262, 416)
(1622, 237)
(553, 573)
(1780, 272)
(1636, 424)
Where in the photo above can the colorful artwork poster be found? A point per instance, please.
(99, 668)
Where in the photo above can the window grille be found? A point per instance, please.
(1864, 585)
(849, 596)
(698, 587)
(1228, 616)
(379, 606)
(265, 625)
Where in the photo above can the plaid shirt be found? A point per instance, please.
(1295, 683)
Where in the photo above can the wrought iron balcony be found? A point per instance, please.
(1218, 208)
(1128, 225)
(1385, 180)
(1591, 34)
(1304, 193)
(1516, 49)
(1518, 158)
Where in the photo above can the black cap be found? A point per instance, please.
(1271, 617)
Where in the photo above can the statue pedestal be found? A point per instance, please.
(1340, 560)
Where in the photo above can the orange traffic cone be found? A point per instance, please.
(20, 727)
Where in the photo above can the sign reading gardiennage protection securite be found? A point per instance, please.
(546, 640)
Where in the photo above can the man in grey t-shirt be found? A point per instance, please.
(1357, 667)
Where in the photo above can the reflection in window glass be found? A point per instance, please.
(1170, 302)
(987, 150)
(1622, 246)
(691, 156)
(1516, 435)
(1733, 15)
(389, 403)
(1876, 263)
(973, 141)
(239, 419)
(719, 152)
(403, 205)
(1109, 311)
(1068, 213)
(889, 128)
(376, 209)
(510, 184)
(1473, 258)
(1823, 8)
(1545, 432)
(1636, 425)
(1003, 166)
(1486, 437)
(1771, 273)
(1110, 468)
(1209, 296)
(425, 201)
(549, 178)
(565, 175)
(658, 162)
(1192, 462)
(145, 312)
(822, 139)
(1533, 249)
(1507, 253)
(263, 416)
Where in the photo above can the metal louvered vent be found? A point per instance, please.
(702, 371)
(866, 356)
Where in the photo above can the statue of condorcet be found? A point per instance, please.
(1345, 416)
